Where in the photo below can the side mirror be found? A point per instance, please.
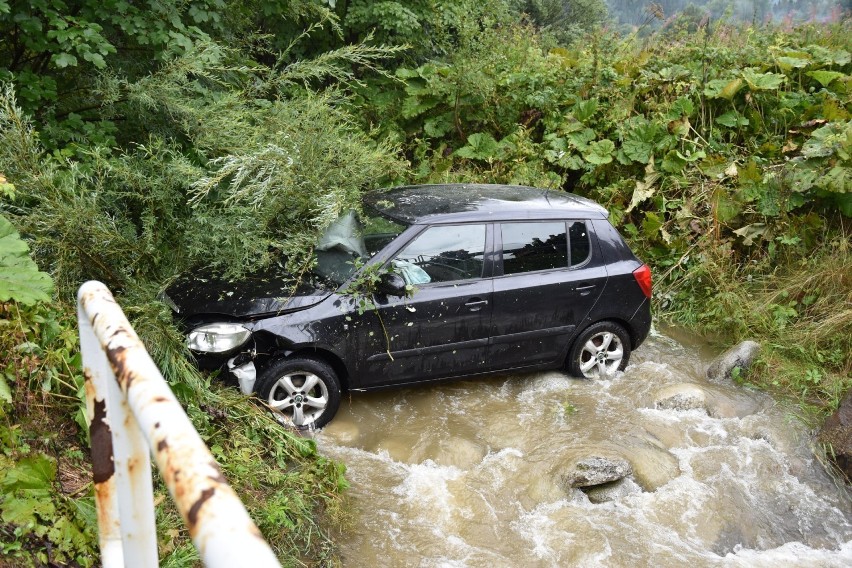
(391, 284)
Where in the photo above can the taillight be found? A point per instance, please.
(643, 278)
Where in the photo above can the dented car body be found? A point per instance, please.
(475, 279)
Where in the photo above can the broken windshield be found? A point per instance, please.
(350, 238)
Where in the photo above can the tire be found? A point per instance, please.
(601, 350)
(282, 387)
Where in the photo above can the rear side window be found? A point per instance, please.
(580, 247)
(528, 247)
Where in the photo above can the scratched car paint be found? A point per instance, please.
(475, 279)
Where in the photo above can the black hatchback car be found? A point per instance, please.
(468, 280)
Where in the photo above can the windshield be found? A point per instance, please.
(350, 238)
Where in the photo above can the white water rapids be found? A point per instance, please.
(470, 474)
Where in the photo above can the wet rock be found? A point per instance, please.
(738, 357)
(653, 467)
(836, 433)
(732, 404)
(668, 436)
(612, 491)
(683, 396)
(596, 470)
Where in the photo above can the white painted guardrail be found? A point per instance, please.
(132, 414)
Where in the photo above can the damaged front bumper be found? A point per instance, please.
(242, 367)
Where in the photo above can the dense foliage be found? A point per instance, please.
(141, 140)
(723, 152)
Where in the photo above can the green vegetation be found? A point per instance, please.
(141, 140)
(722, 152)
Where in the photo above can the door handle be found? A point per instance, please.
(586, 290)
(476, 304)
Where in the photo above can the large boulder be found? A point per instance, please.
(596, 470)
(836, 433)
(738, 357)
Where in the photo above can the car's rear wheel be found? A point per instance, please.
(601, 350)
(302, 392)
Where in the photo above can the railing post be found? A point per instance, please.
(132, 411)
(98, 372)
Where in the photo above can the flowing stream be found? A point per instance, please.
(472, 473)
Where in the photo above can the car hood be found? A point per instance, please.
(261, 294)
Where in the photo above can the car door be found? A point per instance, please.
(442, 329)
(547, 280)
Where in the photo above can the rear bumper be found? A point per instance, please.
(640, 323)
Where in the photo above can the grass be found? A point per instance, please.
(294, 494)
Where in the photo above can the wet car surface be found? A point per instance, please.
(471, 279)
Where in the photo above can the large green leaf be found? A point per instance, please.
(727, 208)
(438, 126)
(833, 138)
(825, 77)
(762, 81)
(35, 472)
(480, 146)
(838, 180)
(584, 110)
(723, 89)
(580, 139)
(790, 63)
(599, 152)
(828, 57)
(732, 119)
(20, 279)
(640, 139)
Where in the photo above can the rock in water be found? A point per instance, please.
(837, 433)
(596, 470)
(683, 396)
(738, 357)
(653, 467)
(612, 491)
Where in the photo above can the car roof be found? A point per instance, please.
(471, 202)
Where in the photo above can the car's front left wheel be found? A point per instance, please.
(301, 391)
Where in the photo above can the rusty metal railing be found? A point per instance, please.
(132, 413)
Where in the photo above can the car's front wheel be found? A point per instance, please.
(301, 391)
(601, 350)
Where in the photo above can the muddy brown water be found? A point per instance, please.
(470, 473)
